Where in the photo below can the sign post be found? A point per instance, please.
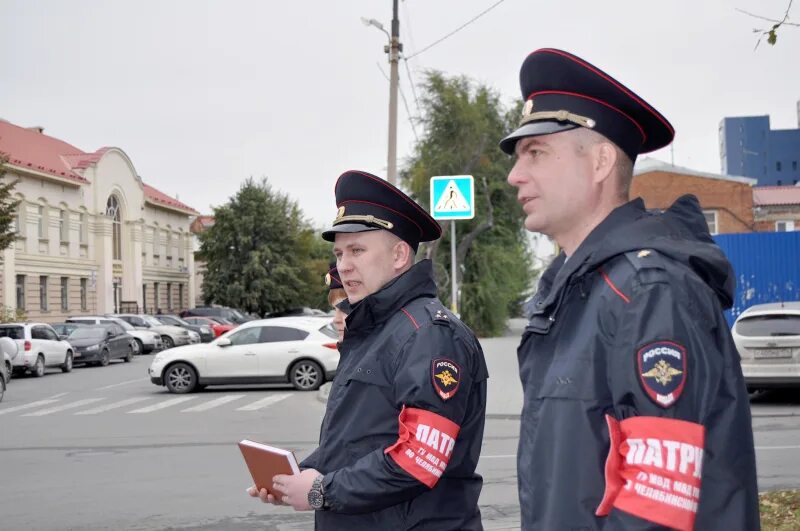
(453, 198)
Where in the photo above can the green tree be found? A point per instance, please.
(463, 123)
(8, 206)
(261, 255)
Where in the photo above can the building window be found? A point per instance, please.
(20, 292)
(84, 283)
(784, 225)
(18, 219)
(155, 246)
(778, 166)
(65, 293)
(113, 212)
(84, 229)
(169, 256)
(63, 226)
(180, 296)
(155, 296)
(42, 223)
(43, 293)
(711, 220)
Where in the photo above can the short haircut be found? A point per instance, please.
(623, 168)
(335, 296)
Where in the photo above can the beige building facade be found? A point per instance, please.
(91, 236)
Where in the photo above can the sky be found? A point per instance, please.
(202, 95)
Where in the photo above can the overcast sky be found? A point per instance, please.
(203, 94)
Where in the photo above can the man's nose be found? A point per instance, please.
(517, 175)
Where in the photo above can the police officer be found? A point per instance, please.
(635, 411)
(336, 295)
(404, 421)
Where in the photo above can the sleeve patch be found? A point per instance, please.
(446, 376)
(424, 445)
(655, 470)
(662, 370)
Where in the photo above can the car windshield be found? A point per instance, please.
(152, 321)
(125, 325)
(173, 319)
(13, 332)
(769, 325)
(88, 332)
(221, 320)
(330, 331)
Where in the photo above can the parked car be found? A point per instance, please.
(171, 336)
(217, 328)
(3, 381)
(146, 341)
(9, 348)
(767, 337)
(311, 312)
(64, 329)
(298, 350)
(38, 347)
(230, 314)
(203, 331)
(99, 344)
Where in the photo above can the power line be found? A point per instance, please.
(411, 82)
(467, 23)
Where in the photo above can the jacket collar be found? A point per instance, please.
(378, 307)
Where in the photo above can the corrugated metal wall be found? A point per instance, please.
(767, 267)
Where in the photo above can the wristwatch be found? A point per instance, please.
(316, 496)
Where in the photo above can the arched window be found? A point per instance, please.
(112, 211)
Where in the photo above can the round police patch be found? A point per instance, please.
(662, 367)
(446, 376)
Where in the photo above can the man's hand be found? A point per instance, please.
(295, 488)
(264, 495)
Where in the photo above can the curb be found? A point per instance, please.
(323, 392)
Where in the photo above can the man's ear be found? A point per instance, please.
(401, 252)
(604, 160)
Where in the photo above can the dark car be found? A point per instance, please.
(204, 331)
(230, 314)
(99, 344)
(65, 329)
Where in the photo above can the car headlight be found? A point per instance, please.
(92, 348)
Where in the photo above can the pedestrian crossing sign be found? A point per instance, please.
(453, 197)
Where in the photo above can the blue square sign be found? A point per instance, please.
(453, 197)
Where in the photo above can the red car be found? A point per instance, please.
(217, 327)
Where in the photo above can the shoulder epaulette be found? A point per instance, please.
(648, 264)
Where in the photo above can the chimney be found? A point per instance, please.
(38, 128)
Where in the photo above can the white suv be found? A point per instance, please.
(38, 347)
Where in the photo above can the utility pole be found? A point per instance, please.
(393, 49)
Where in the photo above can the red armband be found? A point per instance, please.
(425, 444)
(654, 470)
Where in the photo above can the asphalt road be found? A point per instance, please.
(103, 448)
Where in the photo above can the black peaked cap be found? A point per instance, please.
(563, 92)
(332, 279)
(367, 202)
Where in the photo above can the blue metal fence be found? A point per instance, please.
(767, 267)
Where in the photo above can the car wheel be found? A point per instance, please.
(67, 365)
(129, 357)
(9, 371)
(104, 358)
(138, 346)
(180, 378)
(306, 375)
(38, 368)
(2, 388)
(168, 342)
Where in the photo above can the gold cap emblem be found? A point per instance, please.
(643, 253)
(327, 279)
(339, 213)
(527, 108)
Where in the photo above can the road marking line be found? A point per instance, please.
(27, 406)
(118, 384)
(56, 409)
(115, 405)
(164, 404)
(59, 395)
(213, 403)
(264, 402)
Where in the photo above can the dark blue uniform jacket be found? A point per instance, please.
(631, 327)
(389, 362)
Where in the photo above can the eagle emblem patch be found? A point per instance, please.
(446, 376)
(662, 371)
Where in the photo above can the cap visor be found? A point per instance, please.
(533, 129)
(330, 234)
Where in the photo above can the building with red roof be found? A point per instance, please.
(92, 237)
(777, 208)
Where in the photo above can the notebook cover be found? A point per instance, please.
(264, 464)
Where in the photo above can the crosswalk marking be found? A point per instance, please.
(162, 405)
(115, 405)
(27, 406)
(264, 402)
(213, 403)
(56, 409)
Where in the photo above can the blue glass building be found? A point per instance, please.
(748, 147)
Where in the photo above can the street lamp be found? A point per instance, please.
(393, 49)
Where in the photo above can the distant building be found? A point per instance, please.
(727, 200)
(750, 148)
(199, 225)
(91, 236)
(777, 208)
